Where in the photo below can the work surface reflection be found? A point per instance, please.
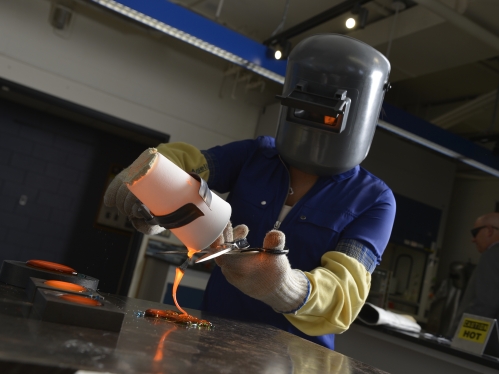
(149, 345)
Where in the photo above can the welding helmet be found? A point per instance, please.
(331, 102)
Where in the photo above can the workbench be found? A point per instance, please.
(149, 345)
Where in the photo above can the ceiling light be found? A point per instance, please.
(60, 17)
(279, 50)
(350, 23)
(360, 14)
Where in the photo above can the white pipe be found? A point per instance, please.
(460, 21)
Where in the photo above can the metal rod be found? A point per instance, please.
(283, 21)
(392, 31)
(219, 9)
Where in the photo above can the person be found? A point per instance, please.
(305, 189)
(480, 297)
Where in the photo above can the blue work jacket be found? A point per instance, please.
(352, 205)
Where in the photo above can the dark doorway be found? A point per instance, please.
(56, 159)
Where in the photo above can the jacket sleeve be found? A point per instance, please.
(486, 285)
(340, 286)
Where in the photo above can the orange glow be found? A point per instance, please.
(158, 313)
(174, 316)
(159, 350)
(191, 252)
(179, 274)
(178, 277)
(329, 120)
(80, 300)
(52, 266)
(66, 286)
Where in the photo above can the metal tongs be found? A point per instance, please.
(235, 247)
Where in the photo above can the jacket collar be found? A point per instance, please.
(267, 145)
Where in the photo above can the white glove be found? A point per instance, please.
(118, 195)
(264, 276)
(229, 235)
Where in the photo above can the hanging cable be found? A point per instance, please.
(494, 114)
(219, 9)
(397, 5)
(284, 16)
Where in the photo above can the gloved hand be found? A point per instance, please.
(230, 234)
(118, 195)
(266, 277)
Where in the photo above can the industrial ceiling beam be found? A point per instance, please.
(461, 21)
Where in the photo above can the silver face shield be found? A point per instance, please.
(330, 103)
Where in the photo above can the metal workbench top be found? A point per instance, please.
(148, 345)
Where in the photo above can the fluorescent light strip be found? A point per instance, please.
(436, 147)
(176, 33)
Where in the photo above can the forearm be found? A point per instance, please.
(339, 289)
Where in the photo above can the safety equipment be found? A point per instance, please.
(119, 196)
(156, 194)
(331, 102)
(177, 200)
(266, 277)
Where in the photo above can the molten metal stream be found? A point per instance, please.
(174, 316)
(179, 273)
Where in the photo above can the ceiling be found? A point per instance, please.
(444, 53)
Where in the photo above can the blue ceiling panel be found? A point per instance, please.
(208, 31)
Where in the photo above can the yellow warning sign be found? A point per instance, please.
(474, 330)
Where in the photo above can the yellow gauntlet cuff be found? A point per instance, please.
(187, 157)
(339, 290)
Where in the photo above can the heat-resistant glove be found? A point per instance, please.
(229, 235)
(264, 276)
(118, 195)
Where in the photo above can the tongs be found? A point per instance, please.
(238, 246)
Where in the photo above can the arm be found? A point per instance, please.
(339, 289)
(327, 299)
(118, 195)
(340, 286)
